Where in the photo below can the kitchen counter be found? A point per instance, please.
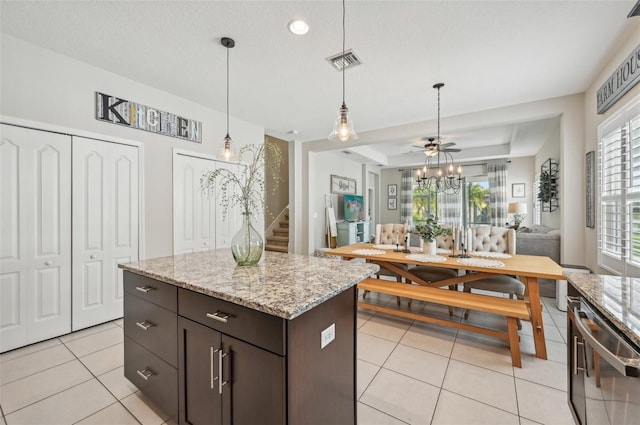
(616, 297)
(282, 285)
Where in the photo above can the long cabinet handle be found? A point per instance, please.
(145, 374)
(221, 382)
(144, 325)
(144, 289)
(219, 316)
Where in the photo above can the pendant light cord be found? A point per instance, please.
(438, 116)
(344, 64)
(227, 91)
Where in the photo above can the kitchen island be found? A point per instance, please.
(210, 342)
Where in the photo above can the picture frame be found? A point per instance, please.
(590, 198)
(392, 190)
(343, 185)
(392, 203)
(517, 190)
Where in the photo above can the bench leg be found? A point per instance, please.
(514, 342)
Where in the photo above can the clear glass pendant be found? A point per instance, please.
(343, 127)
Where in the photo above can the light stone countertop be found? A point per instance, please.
(283, 285)
(616, 297)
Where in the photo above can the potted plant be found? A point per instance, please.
(429, 230)
(245, 188)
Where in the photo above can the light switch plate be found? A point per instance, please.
(327, 335)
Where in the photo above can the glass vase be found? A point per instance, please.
(247, 245)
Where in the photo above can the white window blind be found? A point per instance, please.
(619, 191)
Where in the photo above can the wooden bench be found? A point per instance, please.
(509, 308)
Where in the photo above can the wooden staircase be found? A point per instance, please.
(279, 242)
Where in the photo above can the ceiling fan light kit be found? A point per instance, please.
(439, 174)
(343, 126)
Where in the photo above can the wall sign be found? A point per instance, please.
(620, 82)
(130, 114)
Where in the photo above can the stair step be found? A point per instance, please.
(278, 238)
(284, 224)
(281, 232)
(276, 248)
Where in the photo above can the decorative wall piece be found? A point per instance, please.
(620, 82)
(548, 185)
(130, 114)
(392, 203)
(590, 189)
(392, 190)
(517, 190)
(342, 185)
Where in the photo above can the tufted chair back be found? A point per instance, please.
(493, 239)
(390, 233)
(445, 242)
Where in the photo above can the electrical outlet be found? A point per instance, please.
(327, 335)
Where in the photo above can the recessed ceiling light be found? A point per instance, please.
(298, 27)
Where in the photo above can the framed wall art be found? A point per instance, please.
(590, 173)
(343, 185)
(517, 190)
(392, 203)
(392, 190)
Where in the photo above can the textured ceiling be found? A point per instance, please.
(489, 53)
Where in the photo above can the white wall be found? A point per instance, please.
(521, 170)
(619, 53)
(321, 166)
(43, 86)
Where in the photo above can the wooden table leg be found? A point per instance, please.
(535, 307)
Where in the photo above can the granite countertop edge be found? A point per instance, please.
(285, 313)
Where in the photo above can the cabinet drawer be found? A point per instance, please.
(153, 376)
(252, 326)
(151, 290)
(153, 327)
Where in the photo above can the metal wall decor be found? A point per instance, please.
(119, 111)
(590, 173)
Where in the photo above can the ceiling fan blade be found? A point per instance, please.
(450, 150)
(446, 145)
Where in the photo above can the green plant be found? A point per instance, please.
(430, 229)
(544, 187)
(246, 187)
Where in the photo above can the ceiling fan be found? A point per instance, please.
(432, 147)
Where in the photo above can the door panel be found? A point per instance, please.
(105, 216)
(35, 247)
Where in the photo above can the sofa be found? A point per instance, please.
(540, 240)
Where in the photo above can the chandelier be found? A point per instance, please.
(439, 174)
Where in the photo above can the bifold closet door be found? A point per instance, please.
(193, 211)
(105, 227)
(35, 237)
(198, 223)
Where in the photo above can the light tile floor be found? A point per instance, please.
(408, 373)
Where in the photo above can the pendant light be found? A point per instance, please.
(228, 153)
(343, 127)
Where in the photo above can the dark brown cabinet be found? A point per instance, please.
(209, 361)
(224, 378)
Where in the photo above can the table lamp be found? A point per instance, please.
(519, 211)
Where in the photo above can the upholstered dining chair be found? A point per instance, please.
(495, 239)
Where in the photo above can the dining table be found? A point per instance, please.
(478, 265)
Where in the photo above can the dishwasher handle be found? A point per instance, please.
(619, 363)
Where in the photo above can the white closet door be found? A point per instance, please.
(35, 239)
(105, 227)
(193, 210)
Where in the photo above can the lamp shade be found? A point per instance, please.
(517, 208)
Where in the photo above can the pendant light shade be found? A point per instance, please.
(228, 152)
(343, 127)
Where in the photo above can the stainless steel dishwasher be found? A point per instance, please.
(603, 369)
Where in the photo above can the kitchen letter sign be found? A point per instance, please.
(130, 114)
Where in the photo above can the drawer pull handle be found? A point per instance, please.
(219, 316)
(145, 374)
(144, 289)
(144, 325)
